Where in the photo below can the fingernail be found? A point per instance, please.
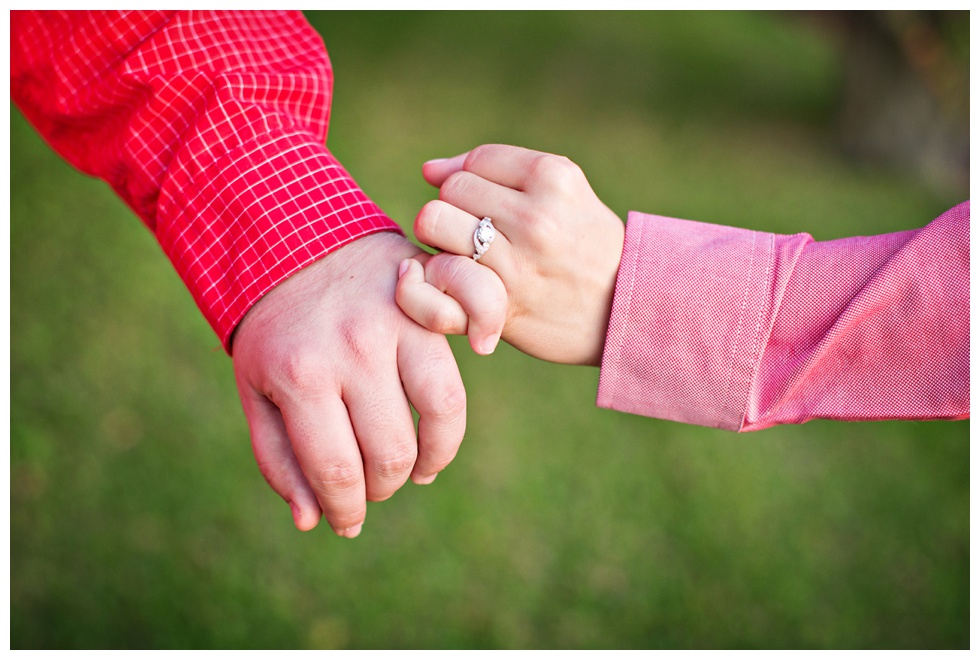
(434, 161)
(490, 344)
(403, 266)
(349, 532)
(425, 481)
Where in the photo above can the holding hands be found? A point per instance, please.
(546, 282)
(529, 255)
(326, 367)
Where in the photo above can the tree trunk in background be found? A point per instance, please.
(906, 92)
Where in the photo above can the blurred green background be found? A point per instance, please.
(138, 517)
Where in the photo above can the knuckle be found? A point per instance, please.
(556, 171)
(359, 337)
(301, 371)
(453, 269)
(427, 221)
(399, 461)
(443, 321)
(477, 156)
(336, 478)
(449, 399)
(540, 225)
(441, 398)
(455, 186)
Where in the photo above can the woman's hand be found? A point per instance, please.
(556, 252)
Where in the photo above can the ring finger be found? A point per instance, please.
(446, 227)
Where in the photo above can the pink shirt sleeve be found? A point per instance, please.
(743, 330)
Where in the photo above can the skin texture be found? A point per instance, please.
(326, 366)
(545, 285)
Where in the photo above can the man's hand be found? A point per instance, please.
(323, 364)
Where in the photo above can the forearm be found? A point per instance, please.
(744, 330)
(211, 126)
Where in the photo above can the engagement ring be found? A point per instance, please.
(483, 237)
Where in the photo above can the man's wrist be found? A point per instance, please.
(240, 224)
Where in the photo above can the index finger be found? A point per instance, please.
(500, 163)
(435, 388)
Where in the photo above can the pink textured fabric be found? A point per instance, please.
(743, 330)
(211, 126)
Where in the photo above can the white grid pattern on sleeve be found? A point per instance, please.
(211, 126)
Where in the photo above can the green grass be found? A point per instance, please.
(138, 518)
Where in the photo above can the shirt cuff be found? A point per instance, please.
(688, 318)
(255, 216)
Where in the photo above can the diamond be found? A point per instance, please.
(484, 234)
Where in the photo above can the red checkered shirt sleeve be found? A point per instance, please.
(211, 126)
(743, 330)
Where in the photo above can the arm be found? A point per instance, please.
(211, 126)
(743, 330)
(694, 322)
